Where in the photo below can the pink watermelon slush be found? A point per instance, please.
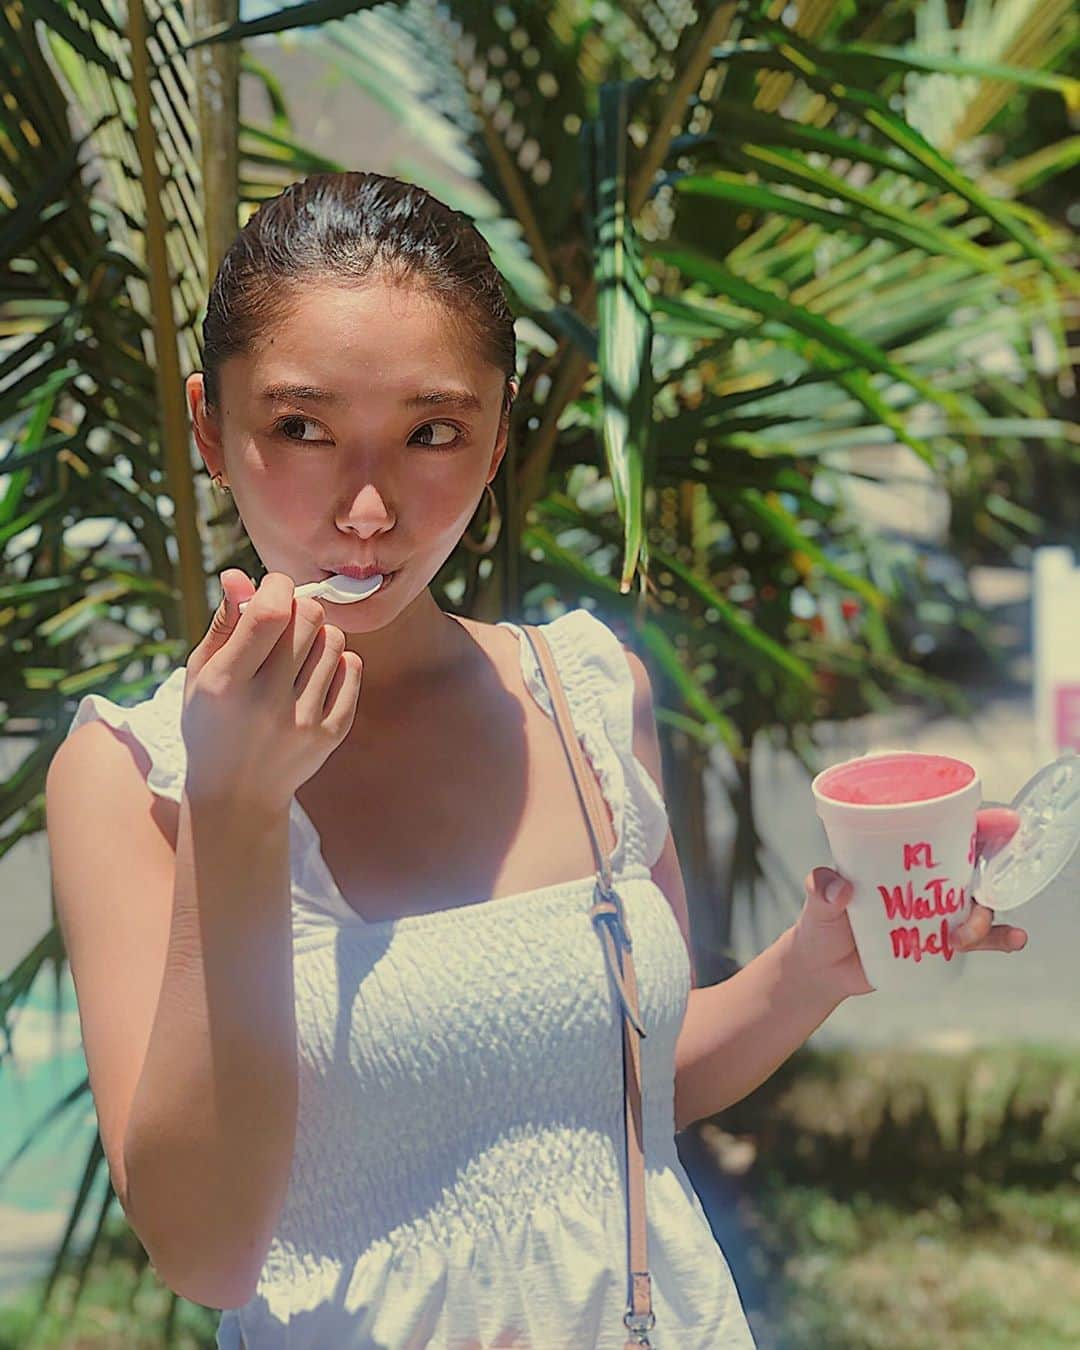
(889, 780)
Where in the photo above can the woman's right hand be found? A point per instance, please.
(268, 694)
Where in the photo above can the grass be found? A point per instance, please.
(997, 1267)
(123, 1306)
(910, 1202)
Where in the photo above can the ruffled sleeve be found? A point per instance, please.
(155, 724)
(616, 698)
(600, 690)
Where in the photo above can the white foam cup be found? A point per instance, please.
(912, 865)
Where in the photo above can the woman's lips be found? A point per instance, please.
(388, 577)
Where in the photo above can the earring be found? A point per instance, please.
(493, 527)
(216, 480)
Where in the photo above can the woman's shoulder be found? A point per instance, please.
(582, 627)
(587, 651)
(149, 726)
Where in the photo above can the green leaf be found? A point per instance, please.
(762, 649)
(828, 342)
(865, 58)
(55, 18)
(742, 123)
(306, 15)
(695, 696)
(785, 50)
(867, 215)
(776, 520)
(624, 330)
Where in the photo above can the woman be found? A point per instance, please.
(361, 1084)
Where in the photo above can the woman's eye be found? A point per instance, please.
(441, 445)
(294, 419)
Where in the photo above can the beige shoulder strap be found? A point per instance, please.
(609, 919)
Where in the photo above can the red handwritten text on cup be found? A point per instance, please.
(934, 899)
(918, 855)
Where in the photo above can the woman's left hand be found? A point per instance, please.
(823, 944)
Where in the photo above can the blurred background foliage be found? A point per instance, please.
(761, 256)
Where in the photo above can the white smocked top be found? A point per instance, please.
(458, 1180)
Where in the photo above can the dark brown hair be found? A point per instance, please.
(353, 228)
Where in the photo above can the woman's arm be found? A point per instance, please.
(211, 1130)
(736, 1033)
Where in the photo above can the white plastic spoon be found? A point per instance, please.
(340, 589)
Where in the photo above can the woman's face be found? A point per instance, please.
(364, 472)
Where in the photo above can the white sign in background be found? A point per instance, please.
(1056, 641)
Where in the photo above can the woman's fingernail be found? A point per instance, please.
(834, 890)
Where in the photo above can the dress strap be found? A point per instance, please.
(609, 918)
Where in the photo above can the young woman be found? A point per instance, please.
(352, 1040)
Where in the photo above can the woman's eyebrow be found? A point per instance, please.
(310, 393)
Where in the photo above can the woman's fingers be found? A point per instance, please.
(979, 933)
(1002, 937)
(975, 927)
(995, 826)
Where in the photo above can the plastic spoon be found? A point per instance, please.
(340, 589)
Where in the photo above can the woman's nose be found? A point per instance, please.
(366, 509)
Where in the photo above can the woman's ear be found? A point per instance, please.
(204, 424)
(501, 442)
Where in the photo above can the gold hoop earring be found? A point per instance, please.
(216, 480)
(494, 525)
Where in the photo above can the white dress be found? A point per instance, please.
(458, 1178)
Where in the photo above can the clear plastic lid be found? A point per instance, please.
(1045, 843)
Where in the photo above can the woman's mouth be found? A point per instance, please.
(387, 577)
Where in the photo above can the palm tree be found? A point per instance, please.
(736, 265)
(725, 186)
